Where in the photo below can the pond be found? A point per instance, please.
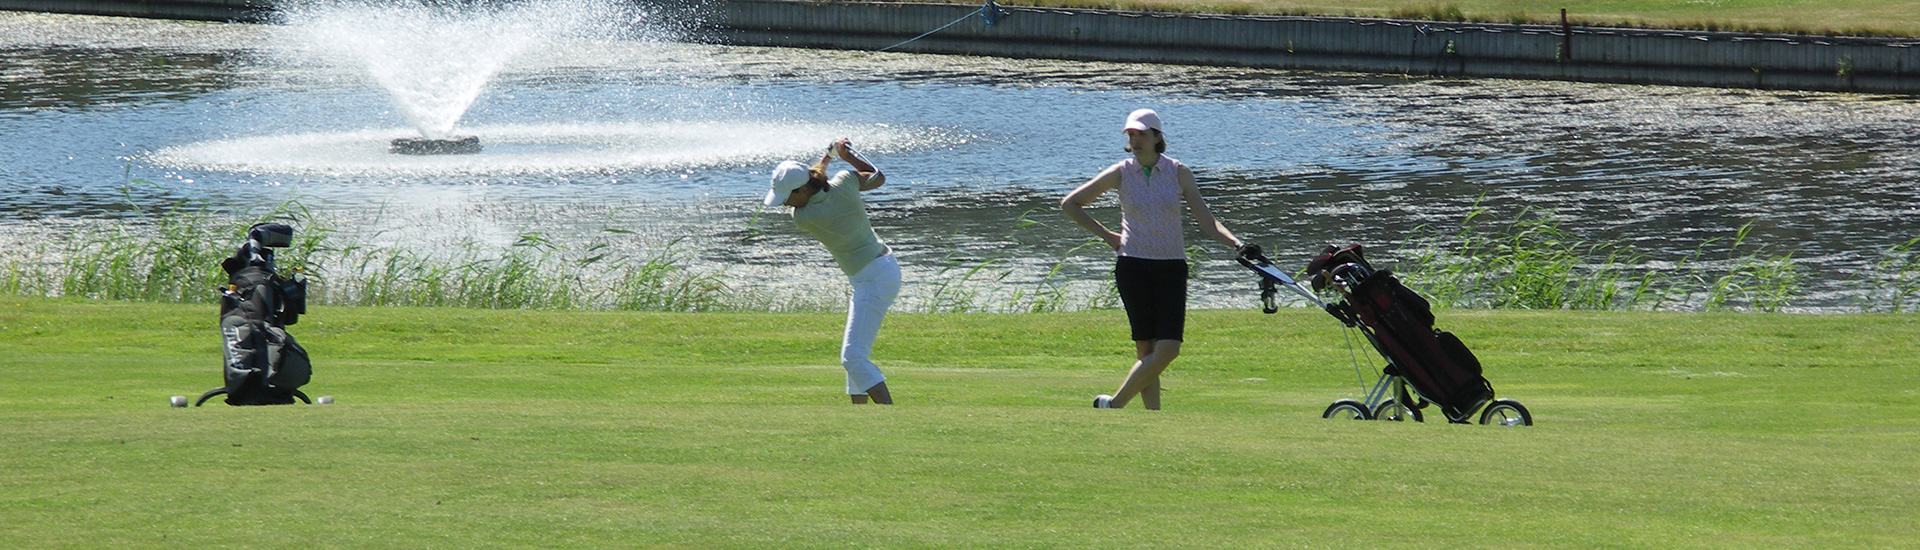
(107, 121)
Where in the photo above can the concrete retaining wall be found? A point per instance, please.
(1337, 43)
(1317, 43)
(197, 10)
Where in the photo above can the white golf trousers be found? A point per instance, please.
(874, 289)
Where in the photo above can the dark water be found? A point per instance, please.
(105, 120)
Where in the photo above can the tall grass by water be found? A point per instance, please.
(1532, 262)
(1893, 285)
(973, 285)
(1529, 262)
(176, 258)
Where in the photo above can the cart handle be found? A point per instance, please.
(1271, 274)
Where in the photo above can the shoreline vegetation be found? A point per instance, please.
(1861, 18)
(1529, 262)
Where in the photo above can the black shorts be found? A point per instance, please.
(1155, 295)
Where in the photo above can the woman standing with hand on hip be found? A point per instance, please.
(832, 211)
(1151, 272)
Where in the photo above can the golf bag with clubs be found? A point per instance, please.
(1425, 366)
(1433, 362)
(264, 365)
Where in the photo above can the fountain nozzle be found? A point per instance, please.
(463, 145)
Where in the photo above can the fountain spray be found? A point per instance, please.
(435, 58)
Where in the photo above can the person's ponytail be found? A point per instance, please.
(817, 175)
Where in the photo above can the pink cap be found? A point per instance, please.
(1143, 120)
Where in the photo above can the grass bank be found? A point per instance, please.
(1839, 17)
(468, 427)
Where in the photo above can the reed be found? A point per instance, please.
(1528, 263)
(953, 291)
(659, 283)
(175, 257)
(963, 284)
(989, 286)
(21, 272)
(1765, 283)
(1054, 292)
(534, 272)
(1893, 286)
(1531, 262)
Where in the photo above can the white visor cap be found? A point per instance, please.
(788, 176)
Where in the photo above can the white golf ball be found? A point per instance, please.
(324, 400)
(178, 401)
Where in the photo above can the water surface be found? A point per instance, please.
(106, 120)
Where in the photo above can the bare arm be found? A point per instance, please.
(1076, 202)
(1208, 224)
(870, 177)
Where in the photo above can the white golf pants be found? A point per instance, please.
(874, 289)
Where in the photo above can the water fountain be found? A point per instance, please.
(433, 59)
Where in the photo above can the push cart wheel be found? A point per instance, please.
(1392, 411)
(222, 390)
(1347, 409)
(1506, 412)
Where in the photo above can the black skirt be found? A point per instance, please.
(1155, 295)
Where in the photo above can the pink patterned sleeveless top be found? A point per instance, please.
(1150, 226)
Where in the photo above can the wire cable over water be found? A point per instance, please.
(989, 13)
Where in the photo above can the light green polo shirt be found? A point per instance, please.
(838, 218)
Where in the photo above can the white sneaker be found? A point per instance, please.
(1103, 402)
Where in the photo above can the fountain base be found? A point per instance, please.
(464, 145)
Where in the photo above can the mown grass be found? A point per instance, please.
(467, 427)
(1836, 17)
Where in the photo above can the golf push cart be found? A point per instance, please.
(1424, 366)
(263, 364)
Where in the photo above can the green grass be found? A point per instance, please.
(460, 427)
(1845, 17)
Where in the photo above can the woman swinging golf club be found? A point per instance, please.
(832, 211)
(1151, 271)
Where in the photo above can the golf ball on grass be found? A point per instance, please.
(324, 400)
(178, 401)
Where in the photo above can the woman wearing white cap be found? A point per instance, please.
(1151, 271)
(832, 211)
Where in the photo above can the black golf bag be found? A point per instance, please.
(1400, 323)
(264, 365)
(1424, 365)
